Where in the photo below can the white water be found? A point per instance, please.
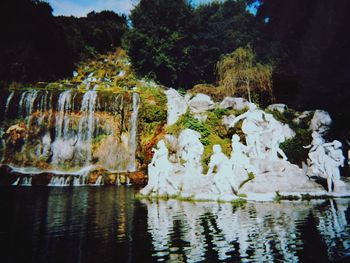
(99, 181)
(133, 131)
(8, 102)
(61, 127)
(27, 181)
(59, 181)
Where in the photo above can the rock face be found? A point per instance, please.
(16, 134)
(176, 106)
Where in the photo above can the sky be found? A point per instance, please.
(82, 7)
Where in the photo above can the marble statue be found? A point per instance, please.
(252, 128)
(276, 136)
(240, 160)
(159, 172)
(333, 160)
(325, 160)
(223, 179)
(190, 151)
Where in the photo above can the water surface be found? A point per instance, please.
(106, 224)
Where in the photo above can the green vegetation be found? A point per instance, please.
(182, 49)
(251, 176)
(36, 46)
(240, 73)
(293, 147)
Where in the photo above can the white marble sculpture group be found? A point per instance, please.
(325, 159)
(180, 173)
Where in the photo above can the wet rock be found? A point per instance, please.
(138, 178)
(95, 174)
(15, 135)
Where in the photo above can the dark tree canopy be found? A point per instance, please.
(160, 41)
(180, 45)
(222, 28)
(36, 46)
(311, 46)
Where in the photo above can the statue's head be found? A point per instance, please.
(216, 148)
(161, 144)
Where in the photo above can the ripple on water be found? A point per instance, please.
(107, 224)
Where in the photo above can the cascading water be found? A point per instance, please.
(66, 131)
(133, 132)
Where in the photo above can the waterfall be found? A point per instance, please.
(9, 98)
(27, 181)
(133, 131)
(99, 181)
(87, 123)
(17, 181)
(66, 131)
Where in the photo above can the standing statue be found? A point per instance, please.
(252, 128)
(223, 180)
(159, 171)
(191, 150)
(333, 160)
(276, 136)
(325, 159)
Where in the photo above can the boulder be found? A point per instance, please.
(16, 134)
(278, 107)
(301, 116)
(176, 106)
(321, 121)
(234, 103)
(200, 103)
(279, 176)
(227, 120)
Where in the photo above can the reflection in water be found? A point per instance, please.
(93, 224)
(267, 232)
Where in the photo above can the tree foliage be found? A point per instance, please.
(36, 46)
(179, 45)
(159, 43)
(240, 73)
(222, 27)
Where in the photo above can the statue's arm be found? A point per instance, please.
(237, 119)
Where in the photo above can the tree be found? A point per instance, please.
(160, 41)
(222, 27)
(36, 46)
(239, 72)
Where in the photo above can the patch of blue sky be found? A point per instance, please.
(83, 7)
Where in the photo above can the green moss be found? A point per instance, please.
(187, 121)
(153, 112)
(239, 202)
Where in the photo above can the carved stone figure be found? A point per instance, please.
(252, 128)
(275, 137)
(159, 171)
(325, 159)
(223, 179)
